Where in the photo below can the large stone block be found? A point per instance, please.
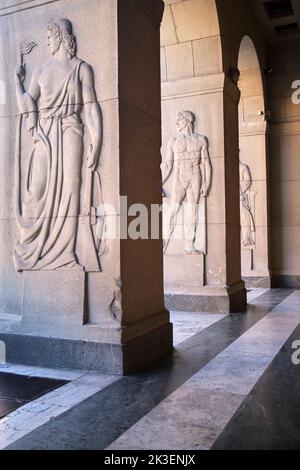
(195, 20)
(207, 53)
(179, 61)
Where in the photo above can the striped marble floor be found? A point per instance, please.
(217, 391)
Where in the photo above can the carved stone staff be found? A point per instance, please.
(26, 49)
(89, 215)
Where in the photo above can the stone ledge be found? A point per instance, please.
(258, 281)
(285, 281)
(232, 302)
(113, 358)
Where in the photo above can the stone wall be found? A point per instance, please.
(284, 146)
(253, 153)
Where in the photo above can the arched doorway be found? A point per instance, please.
(253, 168)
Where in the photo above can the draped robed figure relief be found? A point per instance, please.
(48, 188)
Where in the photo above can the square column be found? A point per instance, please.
(77, 292)
(209, 279)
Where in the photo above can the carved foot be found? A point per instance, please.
(192, 251)
(248, 243)
(73, 266)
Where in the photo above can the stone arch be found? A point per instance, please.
(252, 104)
(253, 154)
(193, 79)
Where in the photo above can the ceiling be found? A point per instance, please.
(279, 20)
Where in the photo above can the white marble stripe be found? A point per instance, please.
(187, 324)
(33, 371)
(38, 412)
(252, 294)
(197, 412)
(29, 417)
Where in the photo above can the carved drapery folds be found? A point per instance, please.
(247, 208)
(57, 230)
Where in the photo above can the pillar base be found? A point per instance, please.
(255, 282)
(211, 299)
(284, 281)
(112, 358)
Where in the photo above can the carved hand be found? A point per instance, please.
(20, 73)
(204, 191)
(92, 157)
(165, 171)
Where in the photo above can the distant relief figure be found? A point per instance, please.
(187, 157)
(48, 186)
(247, 219)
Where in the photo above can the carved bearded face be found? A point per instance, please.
(53, 42)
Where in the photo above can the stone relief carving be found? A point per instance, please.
(53, 233)
(247, 208)
(187, 160)
(115, 307)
